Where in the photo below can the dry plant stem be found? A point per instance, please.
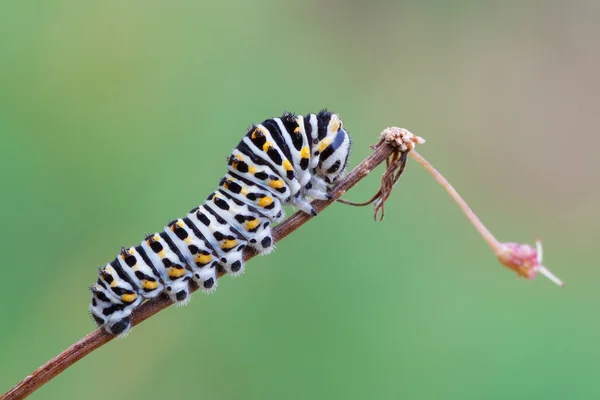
(395, 166)
(99, 337)
(525, 260)
(487, 235)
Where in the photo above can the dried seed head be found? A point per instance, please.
(525, 260)
(401, 138)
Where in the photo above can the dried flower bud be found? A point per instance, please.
(403, 139)
(525, 260)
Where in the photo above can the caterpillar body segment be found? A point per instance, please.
(252, 225)
(286, 160)
(135, 263)
(254, 195)
(199, 255)
(170, 264)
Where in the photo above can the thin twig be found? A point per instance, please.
(99, 337)
(483, 231)
(394, 168)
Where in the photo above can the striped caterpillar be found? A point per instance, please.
(286, 160)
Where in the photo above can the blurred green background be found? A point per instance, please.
(116, 117)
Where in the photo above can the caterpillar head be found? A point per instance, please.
(332, 147)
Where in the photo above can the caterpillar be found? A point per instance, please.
(286, 160)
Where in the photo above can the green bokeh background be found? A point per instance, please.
(116, 117)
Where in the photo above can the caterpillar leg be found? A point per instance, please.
(179, 290)
(318, 189)
(120, 327)
(262, 241)
(206, 277)
(318, 184)
(303, 204)
(316, 193)
(233, 262)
